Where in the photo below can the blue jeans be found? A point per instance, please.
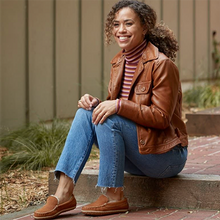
(117, 141)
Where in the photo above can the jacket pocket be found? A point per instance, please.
(142, 88)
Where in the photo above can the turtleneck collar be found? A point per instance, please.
(132, 56)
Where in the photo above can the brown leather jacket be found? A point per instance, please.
(154, 102)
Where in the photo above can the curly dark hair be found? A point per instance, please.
(158, 34)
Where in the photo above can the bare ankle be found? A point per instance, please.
(115, 194)
(65, 188)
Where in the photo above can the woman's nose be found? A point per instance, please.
(122, 28)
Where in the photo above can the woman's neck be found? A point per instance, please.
(133, 56)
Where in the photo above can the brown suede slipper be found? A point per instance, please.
(102, 206)
(52, 208)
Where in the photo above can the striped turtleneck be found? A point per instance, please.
(132, 58)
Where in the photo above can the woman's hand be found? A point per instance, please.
(87, 102)
(103, 111)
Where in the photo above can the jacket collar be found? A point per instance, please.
(150, 53)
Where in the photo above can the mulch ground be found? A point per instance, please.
(20, 189)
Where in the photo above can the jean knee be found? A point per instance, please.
(83, 113)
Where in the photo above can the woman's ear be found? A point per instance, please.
(144, 30)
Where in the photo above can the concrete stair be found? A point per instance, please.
(197, 187)
(206, 122)
(193, 191)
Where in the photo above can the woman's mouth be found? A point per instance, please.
(123, 38)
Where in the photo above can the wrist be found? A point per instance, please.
(117, 105)
(98, 102)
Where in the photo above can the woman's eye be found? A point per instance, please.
(128, 24)
(115, 25)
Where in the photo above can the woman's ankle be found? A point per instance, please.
(115, 194)
(65, 188)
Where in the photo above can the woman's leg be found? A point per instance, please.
(72, 160)
(78, 146)
(75, 153)
(112, 136)
(156, 165)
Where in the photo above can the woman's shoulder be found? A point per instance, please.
(118, 57)
(153, 54)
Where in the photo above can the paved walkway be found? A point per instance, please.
(141, 214)
(204, 158)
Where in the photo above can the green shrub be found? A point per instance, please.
(203, 96)
(34, 147)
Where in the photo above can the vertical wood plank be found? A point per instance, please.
(215, 17)
(201, 40)
(12, 63)
(186, 40)
(214, 26)
(67, 59)
(170, 18)
(41, 59)
(156, 5)
(170, 15)
(91, 47)
(1, 96)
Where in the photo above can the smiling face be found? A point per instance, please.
(127, 29)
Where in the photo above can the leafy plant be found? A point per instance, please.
(203, 96)
(34, 147)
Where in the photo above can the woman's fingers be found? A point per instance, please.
(81, 104)
(99, 116)
(86, 102)
(103, 111)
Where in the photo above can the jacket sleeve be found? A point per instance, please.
(164, 95)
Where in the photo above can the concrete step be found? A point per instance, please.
(191, 191)
(202, 123)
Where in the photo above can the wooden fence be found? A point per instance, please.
(52, 52)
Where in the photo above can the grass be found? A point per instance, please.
(203, 96)
(37, 146)
(34, 147)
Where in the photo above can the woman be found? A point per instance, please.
(138, 128)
